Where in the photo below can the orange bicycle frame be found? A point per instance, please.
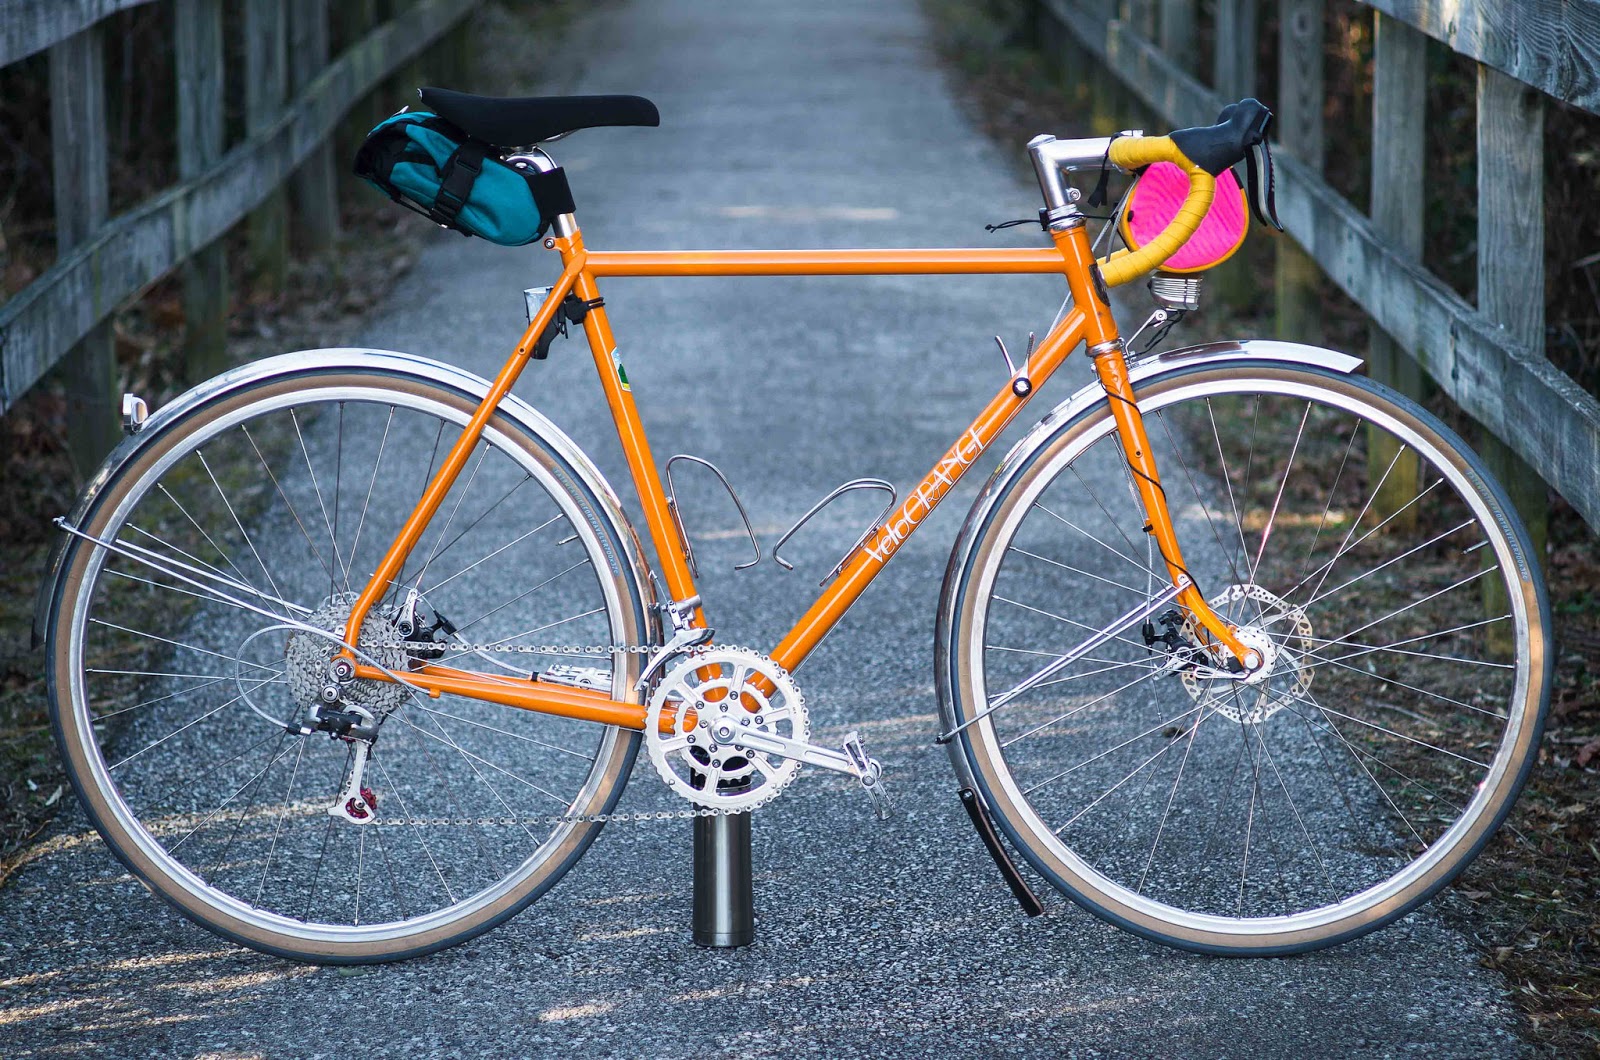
(1089, 321)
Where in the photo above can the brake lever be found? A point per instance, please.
(1261, 184)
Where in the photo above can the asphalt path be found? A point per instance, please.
(784, 125)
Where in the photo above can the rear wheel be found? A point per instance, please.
(182, 668)
(1355, 542)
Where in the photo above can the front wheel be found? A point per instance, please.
(183, 673)
(1355, 541)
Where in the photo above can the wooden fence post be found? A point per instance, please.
(265, 77)
(79, 154)
(1511, 260)
(1178, 38)
(1233, 55)
(1299, 128)
(353, 19)
(316, 200)
(197, 41)
(1399, 115)
(1140, 15)
(1233, 75)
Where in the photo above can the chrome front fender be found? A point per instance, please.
(423, 369)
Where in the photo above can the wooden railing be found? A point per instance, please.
(295, 96)
(1490, 357)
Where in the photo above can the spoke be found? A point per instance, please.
(316, 488)
(274, 760)
(1079, 708)
(1227, 554)
(1416, 603)
(1114, 551)
(449, 741)
(1094, 496)
(1327, 509)
(238, 824)
(1069, 621)
(436, 586)
(273, 679)
(361, 522)
(455, 509)
(1283, 483)
(1311, 843)
(1075, 570)
(1345, 545)
(294, 512)
(1410, 688)
(248, 540)
(272, 848)
(213, 712)
(1355, 756)
(162, 487)
(520, 597)
(1388, 563)
(1399, 735)
(1112, 750)
(391, 788)
(503, 732)
(1227, 481)
(1109, 791)
(1368, 649)
(178, 644)
(484, 515)
(1172, 798)
(198, 563)
(530, 632)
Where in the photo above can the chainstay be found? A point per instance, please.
(592, 650)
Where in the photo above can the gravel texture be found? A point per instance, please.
(784, 125)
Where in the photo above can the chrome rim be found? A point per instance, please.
(1360, 772)
(284, 493)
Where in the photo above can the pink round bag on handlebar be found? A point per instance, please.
(1155, 201)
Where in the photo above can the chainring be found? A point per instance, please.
(700, 703)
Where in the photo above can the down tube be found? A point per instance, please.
(865, 563)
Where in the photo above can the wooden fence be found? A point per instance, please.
(295, 96)
(1489, 358)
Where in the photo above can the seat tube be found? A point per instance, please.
(1111, 366)
(635, 446)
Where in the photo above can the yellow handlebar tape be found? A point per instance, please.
(1133, 153)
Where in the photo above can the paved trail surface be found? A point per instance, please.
(825, 123)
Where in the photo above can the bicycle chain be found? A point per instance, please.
(597, 651)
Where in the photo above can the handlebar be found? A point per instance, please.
(1136, 153)
(1203, 153)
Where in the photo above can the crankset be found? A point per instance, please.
(727, 729)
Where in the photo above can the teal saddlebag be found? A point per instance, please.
(426, 164)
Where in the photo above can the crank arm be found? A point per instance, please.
(852, 761)
(783, 747)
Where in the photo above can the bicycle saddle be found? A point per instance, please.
(519, 122)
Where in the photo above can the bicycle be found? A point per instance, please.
(1262, 712)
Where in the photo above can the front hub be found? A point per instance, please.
(1281, 636)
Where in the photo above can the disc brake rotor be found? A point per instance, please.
(695, 713)
(1283, 679)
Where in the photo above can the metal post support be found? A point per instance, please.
(724, 897)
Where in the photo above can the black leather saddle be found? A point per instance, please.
(521, 122)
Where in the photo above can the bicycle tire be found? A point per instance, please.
(1080, 771)
(254, 482)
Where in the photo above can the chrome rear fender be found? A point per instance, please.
(422, 369)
